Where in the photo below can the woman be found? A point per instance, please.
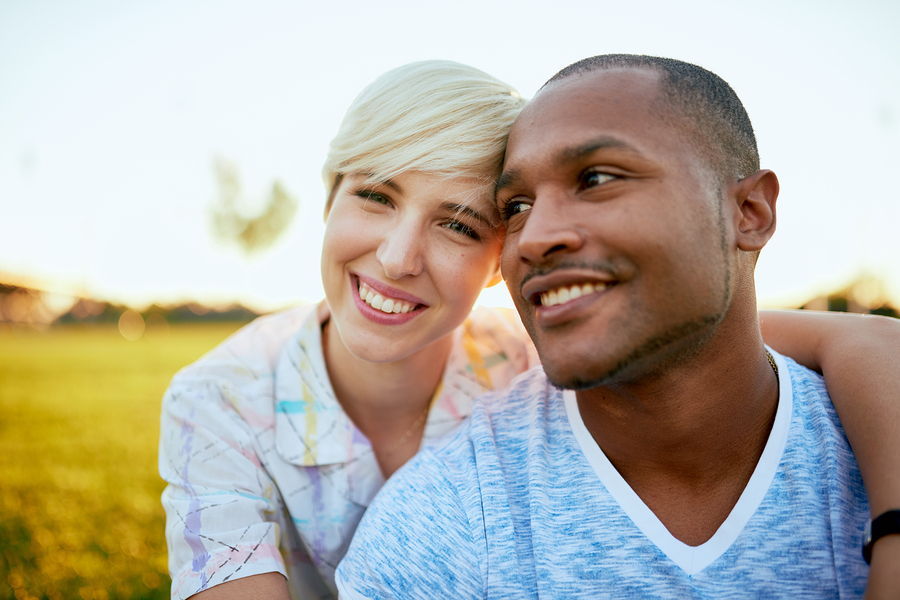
(274, 443)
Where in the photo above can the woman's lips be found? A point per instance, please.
(382, 303)
(387, 291)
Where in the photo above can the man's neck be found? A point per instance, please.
(688, 438)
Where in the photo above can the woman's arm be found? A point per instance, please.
(858, 355)
(266, 586)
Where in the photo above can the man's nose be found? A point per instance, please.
(551, 227)
(401, 251)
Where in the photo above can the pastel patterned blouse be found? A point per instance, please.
(267, 473)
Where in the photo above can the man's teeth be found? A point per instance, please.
(379, 302)
(562, 295)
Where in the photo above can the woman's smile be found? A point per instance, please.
(382, 303)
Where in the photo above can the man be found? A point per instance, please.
(682, 459)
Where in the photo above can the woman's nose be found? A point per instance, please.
(401, 251)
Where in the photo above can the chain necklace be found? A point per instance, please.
(772, 362)
(414, 427)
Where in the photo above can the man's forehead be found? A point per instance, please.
(619, 103)
(615, 88)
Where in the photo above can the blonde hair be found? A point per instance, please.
(435, 116)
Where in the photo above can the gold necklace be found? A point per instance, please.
(412, 429)
(772, 362)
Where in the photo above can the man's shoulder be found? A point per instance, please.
(504, 430)
(527, 389)
(804, 381)
(809, 394)
(502, 411)
(458, 488)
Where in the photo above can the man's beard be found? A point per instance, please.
(704, 326)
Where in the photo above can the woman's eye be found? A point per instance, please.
(462, 228)
(514, 207)
(595, 178)
(370, 196)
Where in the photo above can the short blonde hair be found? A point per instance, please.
(435, 116)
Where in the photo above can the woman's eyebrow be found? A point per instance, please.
(392, 184)
(370, 179)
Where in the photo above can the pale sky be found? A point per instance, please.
(112, 114)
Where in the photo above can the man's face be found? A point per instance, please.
(617, 252)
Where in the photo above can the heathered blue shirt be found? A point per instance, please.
(522, 503)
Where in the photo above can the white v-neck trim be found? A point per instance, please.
(693, 559)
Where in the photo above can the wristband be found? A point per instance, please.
(886, 523)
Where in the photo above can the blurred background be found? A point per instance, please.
(159, 186)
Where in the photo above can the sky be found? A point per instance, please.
(113, 115)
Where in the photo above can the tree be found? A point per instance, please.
(233, 222)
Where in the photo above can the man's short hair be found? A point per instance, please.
(709, 103)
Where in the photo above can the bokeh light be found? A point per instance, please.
(131, 325)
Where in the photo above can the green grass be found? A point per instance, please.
(79, 426)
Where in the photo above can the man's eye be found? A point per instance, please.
(595, 178)
(513, 208)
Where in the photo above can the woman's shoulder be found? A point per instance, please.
(252, 351)
(498, 333)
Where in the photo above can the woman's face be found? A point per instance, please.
(404, 260)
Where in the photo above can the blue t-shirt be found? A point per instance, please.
(522, 503)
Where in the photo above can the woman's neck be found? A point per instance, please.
(386, 401)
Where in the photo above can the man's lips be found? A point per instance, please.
(565, 293)
(560, 287)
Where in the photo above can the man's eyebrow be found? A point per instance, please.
(567, 155)
(506, 179)
(601, 143)
(467, 210)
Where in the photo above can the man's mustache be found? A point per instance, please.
(606, 267)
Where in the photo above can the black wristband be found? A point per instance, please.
(886, 523)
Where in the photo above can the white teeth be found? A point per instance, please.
(379, 302)
(565, 294)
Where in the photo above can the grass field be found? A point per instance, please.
(79, 491)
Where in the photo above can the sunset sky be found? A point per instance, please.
(112, 115)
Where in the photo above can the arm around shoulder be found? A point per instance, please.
(857, 354)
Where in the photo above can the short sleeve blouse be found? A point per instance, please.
(267, 473)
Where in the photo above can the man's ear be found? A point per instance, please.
(755, 197)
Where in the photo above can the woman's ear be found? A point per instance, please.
(755, 198)
(496, 277)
